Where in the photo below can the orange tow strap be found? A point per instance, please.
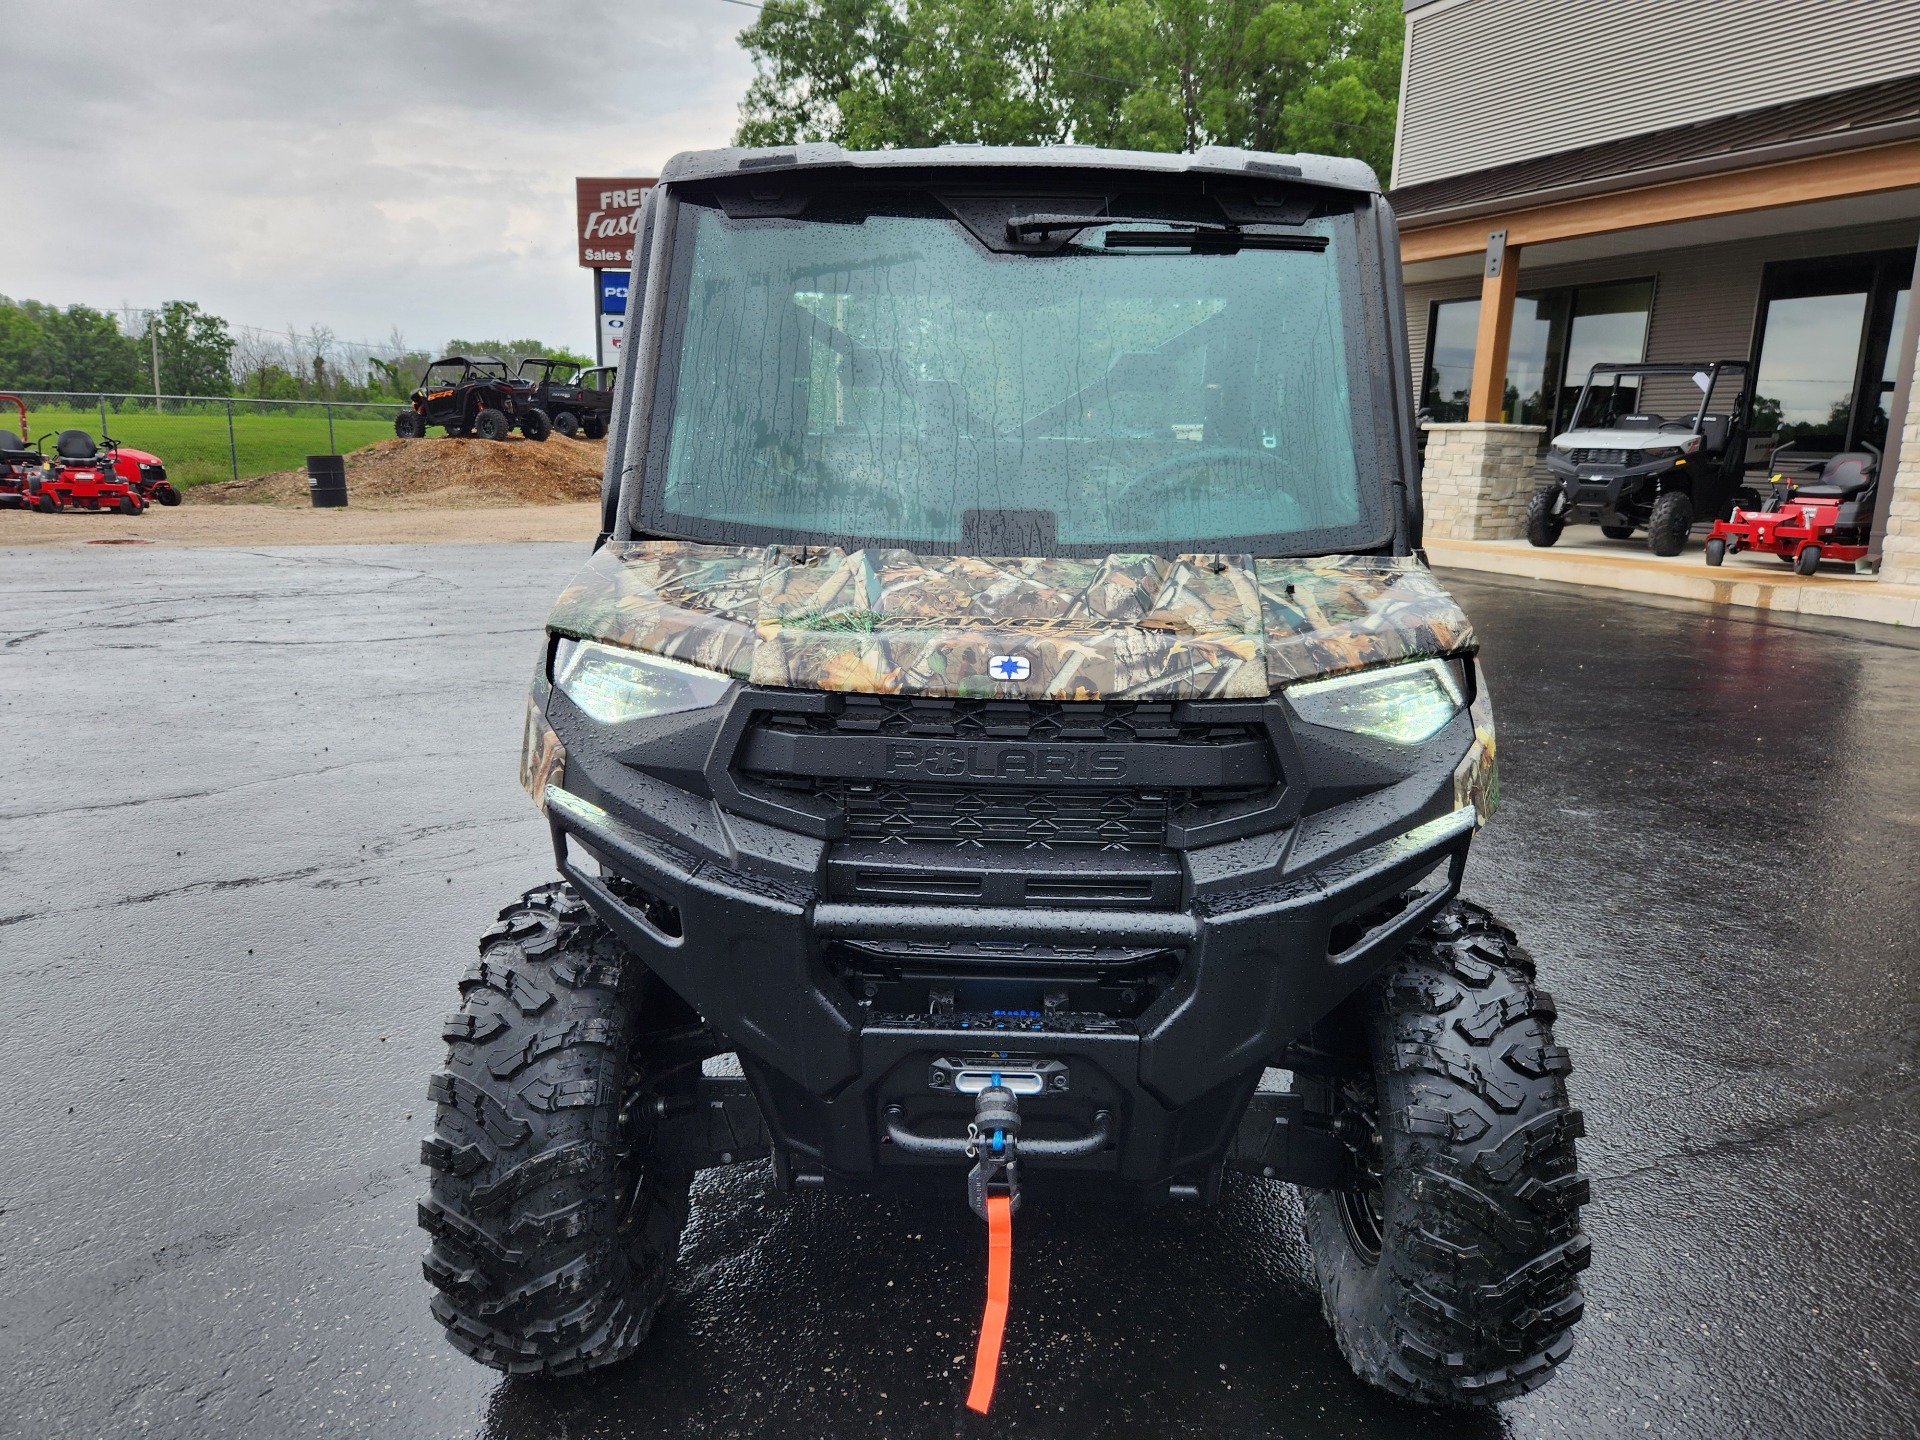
(993, 1324)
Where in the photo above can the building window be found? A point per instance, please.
(1558, 335)
(1450, 341)
(1824, 353)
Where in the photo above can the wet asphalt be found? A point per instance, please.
(257, 805)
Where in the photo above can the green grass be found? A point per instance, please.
(194, 446)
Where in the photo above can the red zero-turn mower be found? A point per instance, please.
(83, 477)
(1831, 519)
(19, 461)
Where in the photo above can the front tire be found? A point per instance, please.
(1669, 523)
(594, 427)
(554, 1220)
(408, 425)
(1448, 1268)
(1807, 562)
(1716, 551)
(492, 425)
(1543, 526)
(566, 423)
(535, 425)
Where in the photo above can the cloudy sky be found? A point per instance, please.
(354, 163)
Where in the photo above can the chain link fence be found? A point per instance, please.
(204, 438)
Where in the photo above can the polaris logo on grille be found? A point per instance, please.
(1006, 762)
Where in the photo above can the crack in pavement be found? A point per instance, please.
(218, 790)
(1767, 1133)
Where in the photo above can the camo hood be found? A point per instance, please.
(1123, 627)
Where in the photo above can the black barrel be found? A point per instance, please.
(327, 481)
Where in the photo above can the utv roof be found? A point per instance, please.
(1668, 367)
(1209, 160)
(470, 360)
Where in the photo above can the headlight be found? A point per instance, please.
(1402, 703)
(1664, 452)
(614, 685)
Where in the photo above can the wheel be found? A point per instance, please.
(129, 505)
(566, 423)
(594, 428)
(1807, 561)
(408, 425)
(554, 1225)
(1716, 551)
(492, 425)
(166, 494)
(1669, 524)
(1543, 526)
(1617, 532)
(535, 425)
(1448, 1268)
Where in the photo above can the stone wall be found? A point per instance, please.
(1478, 478)
(1900, 549)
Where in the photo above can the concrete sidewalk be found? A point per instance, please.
(1759, 582)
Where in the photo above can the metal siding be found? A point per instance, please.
(1489, 82)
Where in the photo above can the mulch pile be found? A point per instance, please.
(438, 473)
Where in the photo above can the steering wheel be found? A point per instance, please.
(1163, 475)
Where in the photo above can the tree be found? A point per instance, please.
(512, 351)
(196, 350)
(43, 347)
(1317, 75)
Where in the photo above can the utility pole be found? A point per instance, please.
(153, 334)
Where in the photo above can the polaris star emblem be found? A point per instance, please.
(1009, 667)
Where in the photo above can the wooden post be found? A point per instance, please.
(1486, 401)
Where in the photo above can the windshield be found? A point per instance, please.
(1673, 397)
(884, 379)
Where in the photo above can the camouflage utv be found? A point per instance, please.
(1007, 709)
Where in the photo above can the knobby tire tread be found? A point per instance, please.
(1475, 1294)
(553, 1231)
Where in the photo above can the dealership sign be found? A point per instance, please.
(613, 292)
(608, 220)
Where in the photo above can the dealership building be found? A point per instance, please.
(1693, 180)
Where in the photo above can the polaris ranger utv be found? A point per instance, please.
(1009, 711)
(1625, 467)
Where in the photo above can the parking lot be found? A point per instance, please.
(259, 803)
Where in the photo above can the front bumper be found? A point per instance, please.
(1256, 969)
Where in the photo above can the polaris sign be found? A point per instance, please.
(613, 292)
(607, 220)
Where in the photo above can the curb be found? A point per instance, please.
(1687, 577)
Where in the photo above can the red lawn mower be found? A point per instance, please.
(82, 476)
(143, 472)
(1830, 519)
(19, 461)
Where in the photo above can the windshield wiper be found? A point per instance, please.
(1162, 234)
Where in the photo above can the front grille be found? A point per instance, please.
(1602, 457)
(1000, 813)
(1015, 819)
(1031, 721)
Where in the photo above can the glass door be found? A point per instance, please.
(1824, 357)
